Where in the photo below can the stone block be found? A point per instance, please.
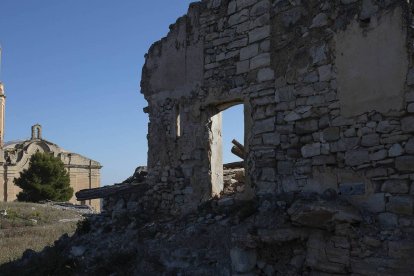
(342, 121)
(356, 157)
(350, 132)
(372, 241)
(407, 124)
(292, 116)
(228, 201)
(237, 44)
(401, 250)
(376, 172)
(285, 167)
(396, 186)
(120, 205)
(77, 251)
(261, 60)
(239, 17)
(319, 20)
(358, 265)
(265, 187)
(337, 255)
(378, 155)
(410, 77)
(259, 34)
(241, 4)
(215, 4)
(315, 100)
(325, 72)
(385, 127)
(289, 184)
(374, 203)
(345, 144)
(266, 125)
(242, 66)
(325, 148)
(265, 74)
(286, 93)
(318, 54)
(249, 51)
(311, 150)
(409, 146)
(403, 205)
(388, 220)
(311, 77)
(271, 139)
(265, 46)
(281, 235)
(324, 160)
(305, 127)
(394, 139)
(232, 7)
(370, 140)
(405, 163)
(368, 9)
(243, 260)
(409, 96)
(349, 189)
(268, 174)
(317, 255)
(291, 16)
(331, 134)
(260, 8)
(395, 150)
(322, 214)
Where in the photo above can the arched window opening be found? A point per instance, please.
(36, 132)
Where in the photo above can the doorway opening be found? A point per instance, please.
(228, 133)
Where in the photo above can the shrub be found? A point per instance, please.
(45, 179)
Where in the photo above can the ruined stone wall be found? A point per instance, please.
(327, 92)
(342, 103)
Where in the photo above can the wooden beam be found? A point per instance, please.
(107, 191)
(238, 144)
(236, 151)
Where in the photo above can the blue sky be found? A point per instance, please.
(75, 68)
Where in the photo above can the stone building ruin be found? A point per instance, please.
(327, 92)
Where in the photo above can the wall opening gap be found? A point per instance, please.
(228, 151)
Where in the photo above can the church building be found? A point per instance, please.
(15, 156)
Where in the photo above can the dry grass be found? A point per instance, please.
(31, 226)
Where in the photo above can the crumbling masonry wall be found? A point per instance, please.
(327, 90)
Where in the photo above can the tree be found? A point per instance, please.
(45, 179)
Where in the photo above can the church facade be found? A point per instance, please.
(15, 156)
